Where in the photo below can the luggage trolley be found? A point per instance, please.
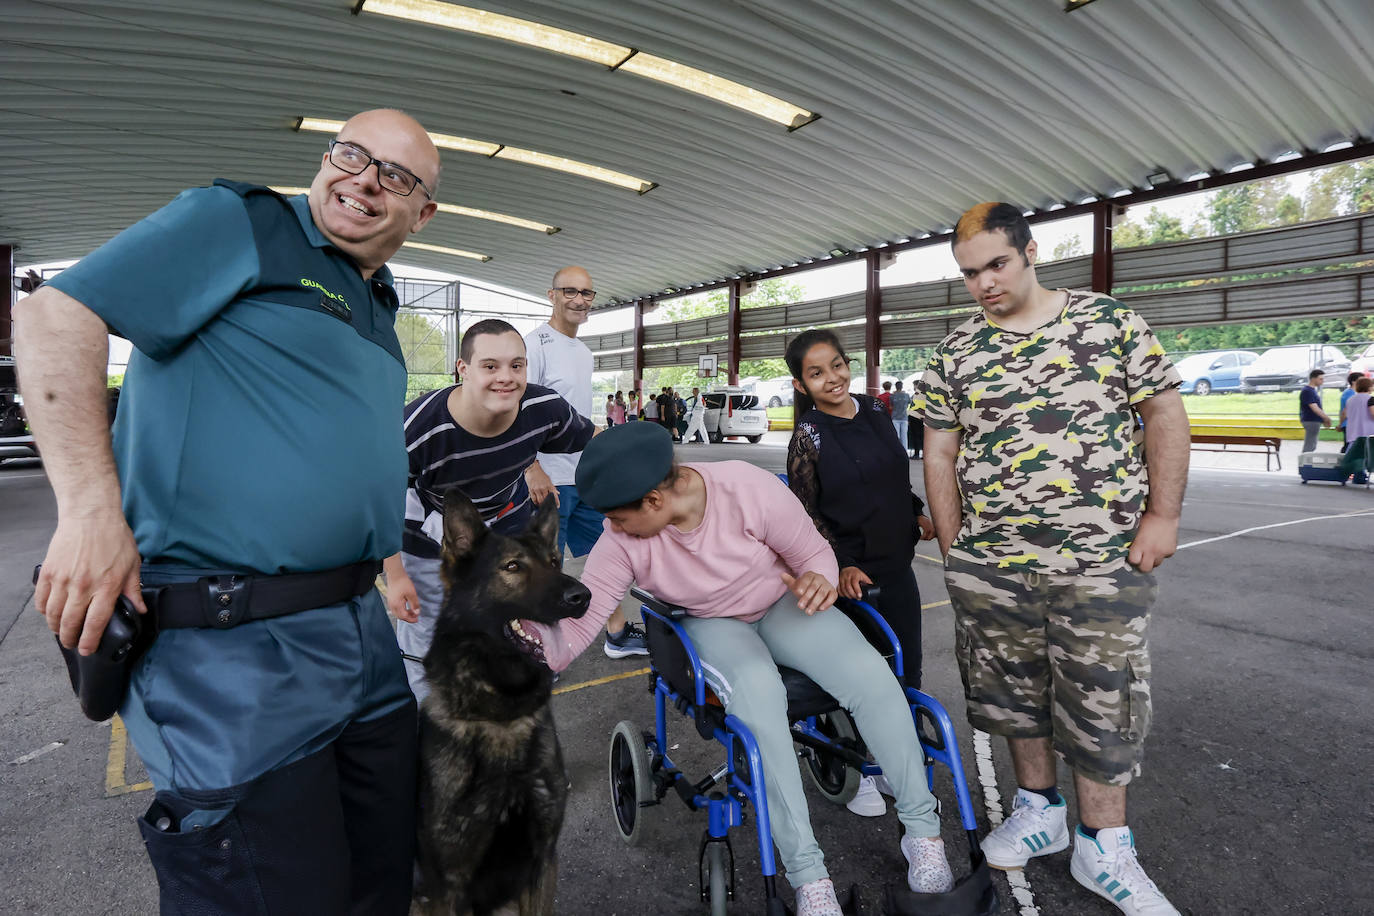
(642, 774)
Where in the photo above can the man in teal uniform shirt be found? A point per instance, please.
(258, 471)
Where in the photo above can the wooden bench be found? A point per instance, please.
(1268, 444)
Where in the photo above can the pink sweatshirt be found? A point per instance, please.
(730, 565)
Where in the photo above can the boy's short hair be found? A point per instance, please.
(1315, 373)
(485, 326)
(1354, 377)
(1363, 384)
(992, 217)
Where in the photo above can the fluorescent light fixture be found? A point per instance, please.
(1159, 177)
(440, 249)
(456, 211)
(573, 167)
(498, 218)
(838, 252)
(585, 47)
(720, 89)
(495, 25)
(514, 153)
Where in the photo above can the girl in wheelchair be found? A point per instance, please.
(729, 542)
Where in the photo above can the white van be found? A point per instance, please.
(732, 411)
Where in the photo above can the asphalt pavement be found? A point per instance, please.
(1256, 795)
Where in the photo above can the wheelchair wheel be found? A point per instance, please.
(717, 879)
(837, 780)
(631, 783)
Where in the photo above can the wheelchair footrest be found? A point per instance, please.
(973, 895)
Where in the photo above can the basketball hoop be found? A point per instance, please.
(706, 365)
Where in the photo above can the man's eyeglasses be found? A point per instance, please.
(572, 292)
(355, 160)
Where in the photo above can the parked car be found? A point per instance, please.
(734, 412)
(1286, 368)
(15, 440)
(1219, 370)
(775, 392)
(1364, 362)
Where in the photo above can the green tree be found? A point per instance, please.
(1070, 247)
(1158, 227)
(1246, 207)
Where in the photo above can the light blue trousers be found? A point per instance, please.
(740, 661)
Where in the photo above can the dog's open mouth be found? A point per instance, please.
(528, 642)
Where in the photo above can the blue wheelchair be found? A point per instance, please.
(642, 774)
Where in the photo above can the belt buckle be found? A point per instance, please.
(224, 600)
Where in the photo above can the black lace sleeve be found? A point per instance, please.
(804, 481)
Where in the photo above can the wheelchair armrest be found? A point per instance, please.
(671, 611)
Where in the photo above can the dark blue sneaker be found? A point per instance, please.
(630, 641)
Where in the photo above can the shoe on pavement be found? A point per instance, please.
(927, 868)
(631, 641)
(884, 786)
(817, 898)
(867, 802)
(1107, 866)
(1035, 828)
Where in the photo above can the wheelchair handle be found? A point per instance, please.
(671, 611)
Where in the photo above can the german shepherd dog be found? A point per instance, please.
(492, 786)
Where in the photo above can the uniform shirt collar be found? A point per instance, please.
(301, 205)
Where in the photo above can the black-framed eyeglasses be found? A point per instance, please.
(355, 160)
(572, 292)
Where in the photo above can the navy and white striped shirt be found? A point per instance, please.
(491, 471)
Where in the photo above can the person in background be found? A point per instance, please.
(847, 468)
(1310, 412)
(885, 398)
(900, 402)
(558, 360)
(610, 411)
(696, 418)
(1349, 391)
(617, 410)
(634, 406)
(650, 411)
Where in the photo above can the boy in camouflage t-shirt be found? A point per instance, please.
(1050, 529)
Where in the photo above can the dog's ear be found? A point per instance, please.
(464, 529)
(544, 524)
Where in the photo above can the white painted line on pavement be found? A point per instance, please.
(992, 800)
(1296, 521)
(34, 755)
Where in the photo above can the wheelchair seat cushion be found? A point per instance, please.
(804, 696)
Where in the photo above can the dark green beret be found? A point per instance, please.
(623, 463)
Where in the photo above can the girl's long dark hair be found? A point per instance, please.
(796, 352)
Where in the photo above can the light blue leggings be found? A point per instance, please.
(740, 661)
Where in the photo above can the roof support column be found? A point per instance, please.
(1103, 213)
(734, 349)
(638, 371)
(7, 301)
(873, 332)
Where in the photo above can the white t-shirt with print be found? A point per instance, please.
(564, 364)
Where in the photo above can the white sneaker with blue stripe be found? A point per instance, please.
(1035, 828)
(1107, 866)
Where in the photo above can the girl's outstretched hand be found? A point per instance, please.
(814, 592)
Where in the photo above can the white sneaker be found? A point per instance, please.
(1035, 828)
(884, 786)
(1107, 866)
(927, 869)
(817, 898)
(868, 801)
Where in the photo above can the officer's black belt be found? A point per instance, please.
(226, 601)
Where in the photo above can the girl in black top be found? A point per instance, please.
(850, 471)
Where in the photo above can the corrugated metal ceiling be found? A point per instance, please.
(110, 108)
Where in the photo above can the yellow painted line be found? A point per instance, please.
(114, 765)
(601, 680)
(935, 560)
(926, 607)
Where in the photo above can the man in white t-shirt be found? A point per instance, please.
(696, 418)
(558, 360)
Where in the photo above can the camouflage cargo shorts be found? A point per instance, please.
(1058, 656)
